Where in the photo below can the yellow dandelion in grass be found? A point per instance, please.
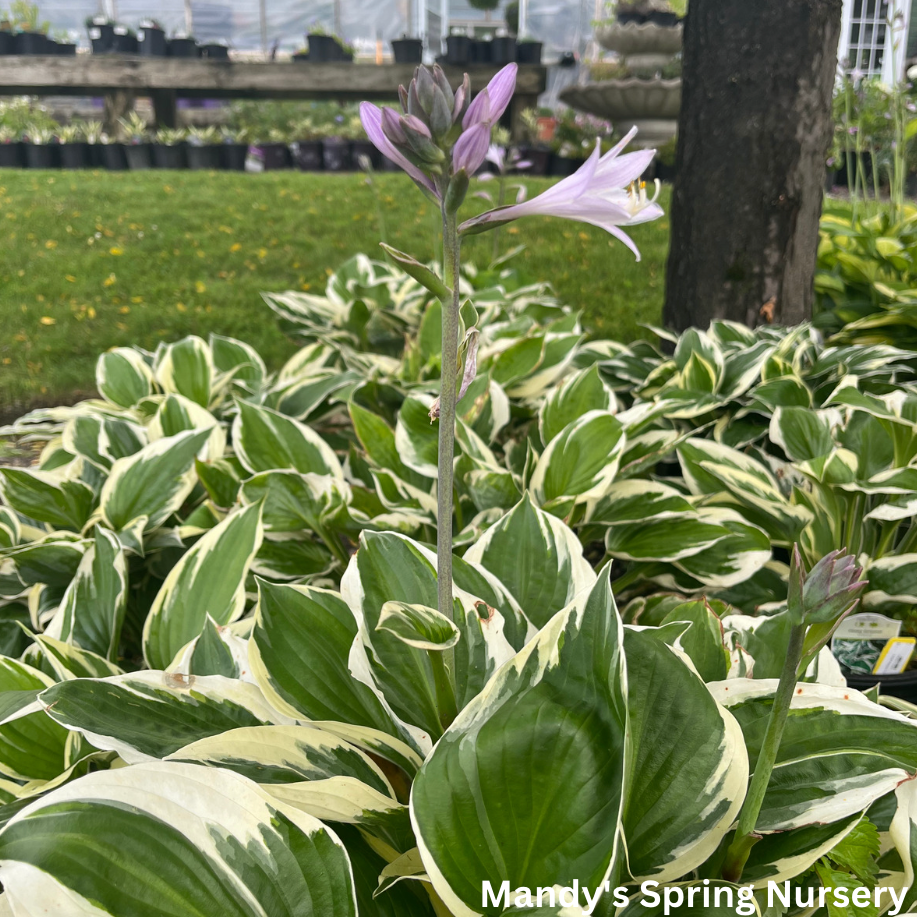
(110, 280)
(235, 247)
(7, 361)
(47, 320)
(136, 299)
(70, 278)
(125, 310)
(91, 312)
(201, 254)
(181, 307)
(200, 286)
(51, 244)
(121, 326)
(513, 231)
(262, 253)
(114, 250)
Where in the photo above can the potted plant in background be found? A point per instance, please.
(204, 148)
(7, 38)
(92, 134)
(101, 31)
(41, 147)
(407, 50)
(182, 45)
(168, 148)
(534, 147)
(111, 153)
(345, 50)
(10, 148)
(458, 48)
(125, 40)
(74, 150)
(502, 49)
(301, 56)
(322, 46)
(574, 139)
(307, 148)
(336, 151)
(151, 38)
(215, 50)
(32, 34)
(63, 44)
(235, 147)
(275, 150)
(136, 142)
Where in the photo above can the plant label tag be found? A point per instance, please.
(859, 641)
(895, 657)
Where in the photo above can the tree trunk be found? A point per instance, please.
(753, 133)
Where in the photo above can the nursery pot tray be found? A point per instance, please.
(903, 686)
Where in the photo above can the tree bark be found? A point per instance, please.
(753, 133)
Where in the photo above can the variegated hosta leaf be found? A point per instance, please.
(903, 833)
(46, 497)
(299, 652)
(101, 440)
(264, 440)
(208, 580)
(580, 393)
(177, 414)
(582, 460)
(295, 501)
(153, 483)
(85, 849)
(546, 735)
(215, 651)
(419, 626)
(123, 377)
(67, 661)
(803, 434)
(92, 610)
(892, 582)
(144, 715)
(416, 438)
(285, 755)
(186, 367)
(688, 769)
(704, 642)
(839, 752)
(537, 558)
(52, 560)
(672, 538)
(238, 359)
(31, 745)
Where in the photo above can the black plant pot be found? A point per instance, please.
(364, 148)
(307, 155)
(276, 156)
(125, 43)
(624, 18)
(41, 155)
(539, 158)
(102, 38)
(528, 52)
(903, 686)
(10, 155)
(407, 50)
(323, 49)
(234, 155)
(336, 155)
(204, 158)
(480, 52)
(74, 155)
(562, 166)
(7, 43)
(139, 156)
(32, 43)
(301, 57)
(65, 49)
(168, 157)
(152, 42)
(503, 50)
(184, 47)
(663, 18)
(215, 51)
(458, 49)
(113, 157)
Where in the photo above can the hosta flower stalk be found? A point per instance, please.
(441, 138)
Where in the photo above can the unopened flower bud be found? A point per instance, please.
(440, 114)
(832, 587)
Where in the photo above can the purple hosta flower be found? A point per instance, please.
(439, 132)
(496, 155)
(605, 191)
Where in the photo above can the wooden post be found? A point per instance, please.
(165, 107)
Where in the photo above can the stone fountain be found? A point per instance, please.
(643, 98)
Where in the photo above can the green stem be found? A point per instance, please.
(886, 539)
(745, 837)
(334, 545)
(445, 690)
(854, 528)
(450, 325)
(501, 198)
(909, 542)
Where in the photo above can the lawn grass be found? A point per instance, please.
(93, 260)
